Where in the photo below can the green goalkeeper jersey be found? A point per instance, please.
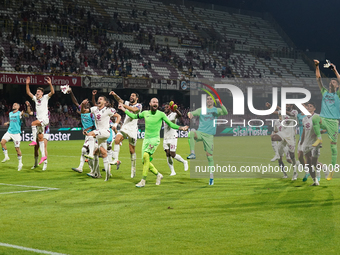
(206, 124)
(153, 122)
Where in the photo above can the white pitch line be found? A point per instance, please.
(30, 249)
(22, 191)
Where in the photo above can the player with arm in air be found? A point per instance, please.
(153, 124)
(206, 131)
(41, 106)
(286, 136)
(311, 152)
(128, 130)
(170, 137)
(330, 113)
(46, 138)
(13, 133)
(87, 120)
(102, 115)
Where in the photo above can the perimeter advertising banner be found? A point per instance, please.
(6, 78)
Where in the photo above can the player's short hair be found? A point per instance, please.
(166, 103)
(335, 79)
(40, 88)
(312, 103)
(137, 95)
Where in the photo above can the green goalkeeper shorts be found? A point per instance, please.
(208, 141)
(332, 127)
(150, 146)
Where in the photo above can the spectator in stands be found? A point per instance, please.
(65, 108)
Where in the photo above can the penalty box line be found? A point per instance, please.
(29, 249)
(26, 186)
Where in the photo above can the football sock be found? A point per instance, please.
(91, 145)
(116, 149)
(210, 164)
(133, 160)
(170, 164)
(179, 158)
(334, 150)
(146, 164)
(82, 158)
(192, 143)
(34, 132)
(42, 148)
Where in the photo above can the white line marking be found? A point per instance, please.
(22, 191)
(30, 249)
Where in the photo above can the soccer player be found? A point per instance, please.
(286, 136)
(87, 120)
(311, 152)
(153, 124)
(128, 130)
(170, 138)
(13, 133)
(41, 106)
(206, 131)
(46, 138)
(102, 115)
(330, 114)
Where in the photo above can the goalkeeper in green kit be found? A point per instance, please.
(153, 124)
(206, 131)
(330, 113)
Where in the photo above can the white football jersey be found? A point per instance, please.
(129, 123)
(41, 106)
(310, 136)
(289, 124)
(170, 133)
(102, 117)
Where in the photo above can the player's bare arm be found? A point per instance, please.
(336, 72)
(74, 100)
(278, 108)
(48, 79)
(133, 109)
(118, 118)
(318, 74)
(94, 93)
(83, 110)
(29, 109)
(28, 91)
(118, 99)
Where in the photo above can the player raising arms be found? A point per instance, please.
(41, 105)
(286, 136)
(330, 113)
(308, 137)
(87, 120)
(153, 124)
(46, 138)
(102, 115)
(129, 129)
(206, 131)
(170, 137)
(13, 133)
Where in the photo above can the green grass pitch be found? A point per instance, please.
(181, 216)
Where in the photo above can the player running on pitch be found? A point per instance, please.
(153, 124)
(41, 105)
(330, 113)
(311, 152)
(206, 131)
(170, 137)
(128, 130)
(13, 133)
(102, 115)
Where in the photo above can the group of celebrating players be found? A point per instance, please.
(102, 136)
